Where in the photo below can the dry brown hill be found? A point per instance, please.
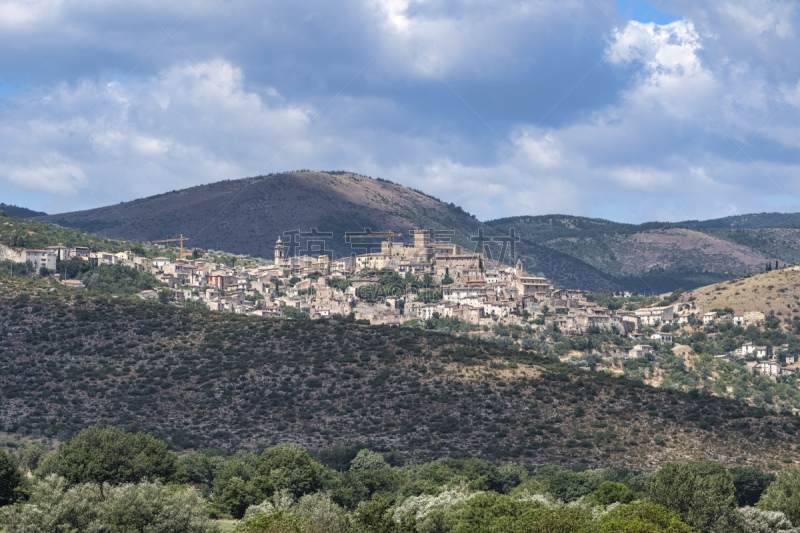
(777, 290)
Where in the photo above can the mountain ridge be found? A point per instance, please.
(248, 215)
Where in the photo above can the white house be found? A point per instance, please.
(40, 259)
(662, 338)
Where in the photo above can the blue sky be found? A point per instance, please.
(628, 110)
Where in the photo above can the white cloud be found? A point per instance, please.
(24, 15)
(190, 123)
(691, 119)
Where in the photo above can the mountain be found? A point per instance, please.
(247, 216)
(20, 212)
(658, 257)
(70, 359)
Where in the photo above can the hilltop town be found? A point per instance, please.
(416, 281)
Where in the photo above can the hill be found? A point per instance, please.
(246, 216)
(661, 257)
(208, 379)
(21, 212)
(775, 291)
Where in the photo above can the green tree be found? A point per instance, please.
(240, 472)
(375, 516)
(111, 455)
(784, 495)
(10, 480)
(289, 466)
(367, 460)
(165, 296)
(611, 492)
(128, 508)
(758, 521)
(702, 498)
(30, 456)
(483, 511)
(236, 495)
(750, 483)
(642, 517)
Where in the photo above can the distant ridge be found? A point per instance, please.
(20, 212)
(247, 215)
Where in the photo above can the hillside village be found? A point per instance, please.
(404, 283)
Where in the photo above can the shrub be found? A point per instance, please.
(642, 517)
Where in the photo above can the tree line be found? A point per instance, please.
(109, 479)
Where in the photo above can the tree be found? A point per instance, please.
(367, 460)
(288, 466)
(111, 455)
(10, 480)
(750, 483)
(240, 473)
(127, 508)
(715, 509)
(200, 467)
(758, 521)
(783, 495)
(375, 516)
(611, 492)
(30, 456)
(164, 296)
(702, 497)
(642, 517)
(236, 496)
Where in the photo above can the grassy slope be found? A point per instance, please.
(778, 290)
(69, 360)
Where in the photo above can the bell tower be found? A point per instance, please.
(279, 252)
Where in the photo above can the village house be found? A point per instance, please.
(769, 368)
(662, 338)
(709, 318)
(149, 295)
(40, 259)
(79, 251)
(640, 350)
(159, 262)
(746, 349)
(653, 316)
(62, 252)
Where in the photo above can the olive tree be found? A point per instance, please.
(784, 495)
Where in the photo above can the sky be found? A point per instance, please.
(627, 110)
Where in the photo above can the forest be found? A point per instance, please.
(112, 479)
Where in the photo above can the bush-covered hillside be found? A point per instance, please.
(199, 378)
